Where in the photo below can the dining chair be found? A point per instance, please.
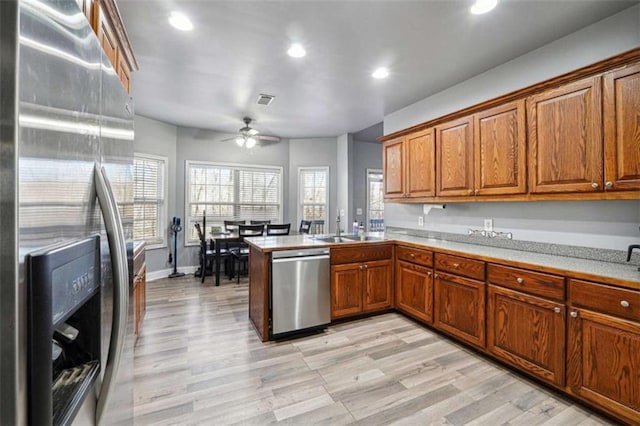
(305, 225)
(206, 254)
(260, 222)
(241, 253)
(279, 229)
(232, 225)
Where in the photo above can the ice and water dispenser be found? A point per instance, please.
(63, 329)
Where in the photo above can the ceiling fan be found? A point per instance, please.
(249, 137)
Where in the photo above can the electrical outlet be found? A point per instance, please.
(488, 225)
(358, 211)
(420, 220)
(342, 212)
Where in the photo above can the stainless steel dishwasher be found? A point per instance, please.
(300, 290)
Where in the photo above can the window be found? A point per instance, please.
(231, 192)
(375, 200)
(313, 183)
(149, 199)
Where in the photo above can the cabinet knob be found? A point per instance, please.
(609, 184)
(476, 191)
(428, 274)
(556, 310)
(520, 280)
(411, 255)
(435, 275)
(624, 304)
(365, 266)
(595, 185)
(361, 267)
(456, 265)
(574, 314)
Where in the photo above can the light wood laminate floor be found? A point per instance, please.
(198, 361)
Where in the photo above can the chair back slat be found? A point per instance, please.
(279, 229)
(260, 222)
(305, 225)
(250, 230)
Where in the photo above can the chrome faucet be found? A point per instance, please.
(338, 226)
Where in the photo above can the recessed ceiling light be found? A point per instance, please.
(296, 51)
(483, 6)
(381, 72)
(180, 21)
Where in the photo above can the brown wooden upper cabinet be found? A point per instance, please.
(622, 129)
(409, 165)
(565, 138)
(454, 164)
(500, 145)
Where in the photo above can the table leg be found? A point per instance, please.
(217, 244)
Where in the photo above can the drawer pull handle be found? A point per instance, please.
(624, 304)
(520, 280)
(556, 310)
(574, 314)
(456, 265)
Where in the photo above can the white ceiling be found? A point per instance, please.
(210, 78)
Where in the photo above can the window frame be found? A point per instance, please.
(300, 211)
(368, 198)
(163, 211)
(188, 242)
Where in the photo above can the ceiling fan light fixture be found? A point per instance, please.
(180, 21)
(251, 142)
(483, 6)
(296, 51)
(380, 73)
(240, 141)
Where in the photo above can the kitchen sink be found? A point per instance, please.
(349, 238)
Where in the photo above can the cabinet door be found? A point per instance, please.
(346, 290)
(603, 362)
(393, 168)
(414, 290)
(124, 72)
(377, 277)
(622, 129)
(565, 138)
(420, 173)
(107, 38)
(459, 307)
(454, 169)
(500, 140)
(527, 332)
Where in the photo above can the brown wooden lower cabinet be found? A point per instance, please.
(139, 298)
(361, 287)
(414, 290)
(459, 307)
(603, 362)
(527, 332)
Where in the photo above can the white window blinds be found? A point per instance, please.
(232, 192)
(314, 192)
(149, 204)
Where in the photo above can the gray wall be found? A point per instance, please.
(345, 181)
(604, 224)
(313, 152)
(206, 145)
(155, 137)
(366, 155)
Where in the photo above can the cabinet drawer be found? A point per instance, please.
(536, 283)
(418, 256)
(606, 299)
(460, 266)
(363, 253)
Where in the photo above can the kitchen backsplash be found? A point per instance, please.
(600, 254)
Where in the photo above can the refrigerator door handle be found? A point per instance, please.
(117, 247)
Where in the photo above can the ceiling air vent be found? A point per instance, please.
(264, 99)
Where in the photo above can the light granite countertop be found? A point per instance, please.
(616, 273)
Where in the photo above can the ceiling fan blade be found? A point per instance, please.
(268, 138)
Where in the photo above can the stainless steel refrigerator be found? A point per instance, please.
(66, 160)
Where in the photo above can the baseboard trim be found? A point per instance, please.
(164, 273)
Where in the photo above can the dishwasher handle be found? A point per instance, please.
(299, 258)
